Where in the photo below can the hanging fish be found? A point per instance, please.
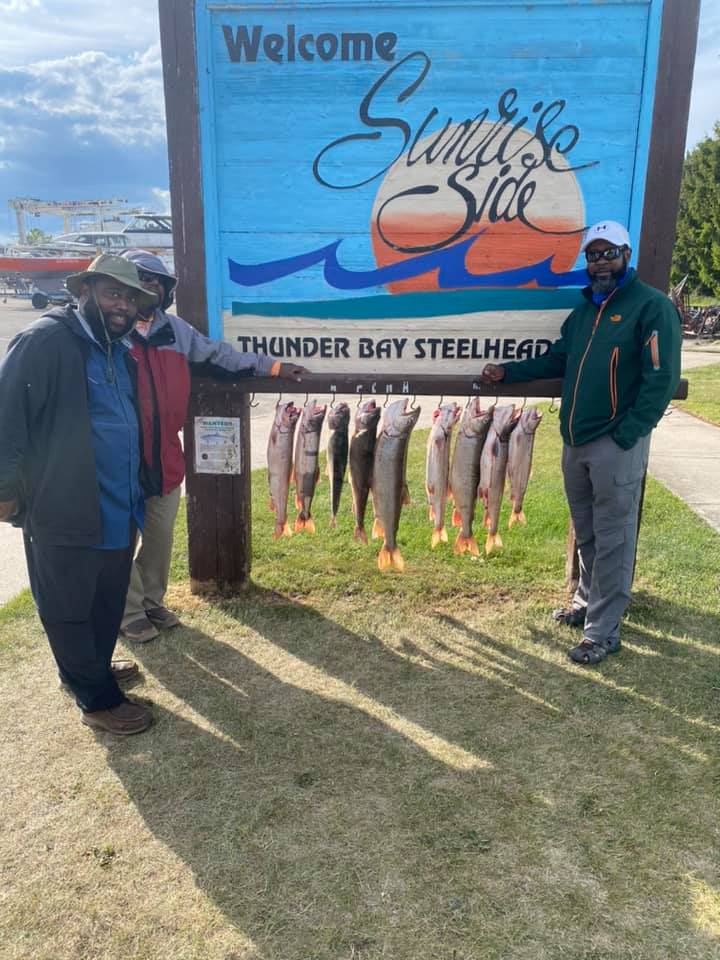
(362, 454)
(280, 461)
(306, 471)
(520, 451)
(493, 467)
(337, 455)
(465, 473)
(437, 468)
(389, 484)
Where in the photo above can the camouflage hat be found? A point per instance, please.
(116, 268)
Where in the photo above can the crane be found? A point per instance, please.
(65, 209)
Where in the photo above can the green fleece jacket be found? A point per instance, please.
(620, 363)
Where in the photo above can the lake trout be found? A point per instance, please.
(337, 455)
(465, 473)
(362, 454)
(437, 468)
(493, 468)
(520, 451)
(306, 470)
(389, 484)
(280, 462)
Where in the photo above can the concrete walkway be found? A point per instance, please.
(685, 456)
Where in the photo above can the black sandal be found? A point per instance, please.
(571, 616)
(612, 646)
(588, 653)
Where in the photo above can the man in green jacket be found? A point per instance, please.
(619, 355)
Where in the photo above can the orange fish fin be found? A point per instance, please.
(397, 560)
(456, 518)
(431, 513)
(439, 535)
(298, 502)
(493, 542)
(333, 522)
(305, 523)
(517, 516)
(360, 535)
(377, 530)
(384, 560)
(465, 544)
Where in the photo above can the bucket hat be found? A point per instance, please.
(117, 268)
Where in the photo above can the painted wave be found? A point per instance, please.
(450, 264)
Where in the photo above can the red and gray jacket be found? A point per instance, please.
(163, 368)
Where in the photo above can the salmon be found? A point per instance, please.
(362, 454)
(493, 467)
(337, 455)
(306, 471)
(389, 483)
(280, 461)
(437, 468)
(465, 473)
(520, 451)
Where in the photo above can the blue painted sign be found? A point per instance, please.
(394, 185)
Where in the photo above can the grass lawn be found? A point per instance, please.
(703, 393)
(347, 765)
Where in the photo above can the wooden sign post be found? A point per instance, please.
(350, 192)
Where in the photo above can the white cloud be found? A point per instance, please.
(163, 199)
(704, 103)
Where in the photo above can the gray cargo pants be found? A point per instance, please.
(602, 485)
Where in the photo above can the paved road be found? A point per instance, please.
(685, 453)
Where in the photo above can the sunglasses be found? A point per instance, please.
(146, 277)
(592, 256)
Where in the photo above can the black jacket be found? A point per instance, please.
(47, 461)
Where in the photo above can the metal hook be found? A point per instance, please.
(359, 402)
(522, 407)
(307, 398)
(412, 402)
(279, 399)
(553, 409)
(253, 402)
(442, 397)
(334, 398)
(387, 397)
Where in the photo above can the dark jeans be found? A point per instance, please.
(80, 595)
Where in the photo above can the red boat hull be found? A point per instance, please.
(27, 266)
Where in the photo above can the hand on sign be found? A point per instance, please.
(492, 373)
(8, 509)
(291, 371)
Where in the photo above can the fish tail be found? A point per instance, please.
(465, 544)
(377, 530)
(493, 542)
(456, 518)
(298, 502)
(305, 523)
(282, 529)
(517, 516)
(360, 535)
(384, 560)
(333, 522)
(431, 513)
(439, 535)
(397, 560)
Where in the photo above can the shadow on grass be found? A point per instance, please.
(336, 795)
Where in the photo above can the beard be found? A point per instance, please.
(103, 323)
(604, 285)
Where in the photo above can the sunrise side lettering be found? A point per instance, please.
(245, 45)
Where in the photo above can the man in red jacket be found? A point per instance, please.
(164, 346)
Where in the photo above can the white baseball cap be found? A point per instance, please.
(609, 230)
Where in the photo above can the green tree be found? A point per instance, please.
(36, 236)
(697, 244)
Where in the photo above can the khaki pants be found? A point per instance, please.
(150, 571)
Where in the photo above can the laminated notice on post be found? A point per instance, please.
(217, 445)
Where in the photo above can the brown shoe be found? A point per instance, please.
(122, 721)
(162, 618)
(124, 670)
(140, 631)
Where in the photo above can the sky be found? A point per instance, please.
(82, 112)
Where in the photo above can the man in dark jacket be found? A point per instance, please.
(70, 475)
(619, 355)
(165, 346)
